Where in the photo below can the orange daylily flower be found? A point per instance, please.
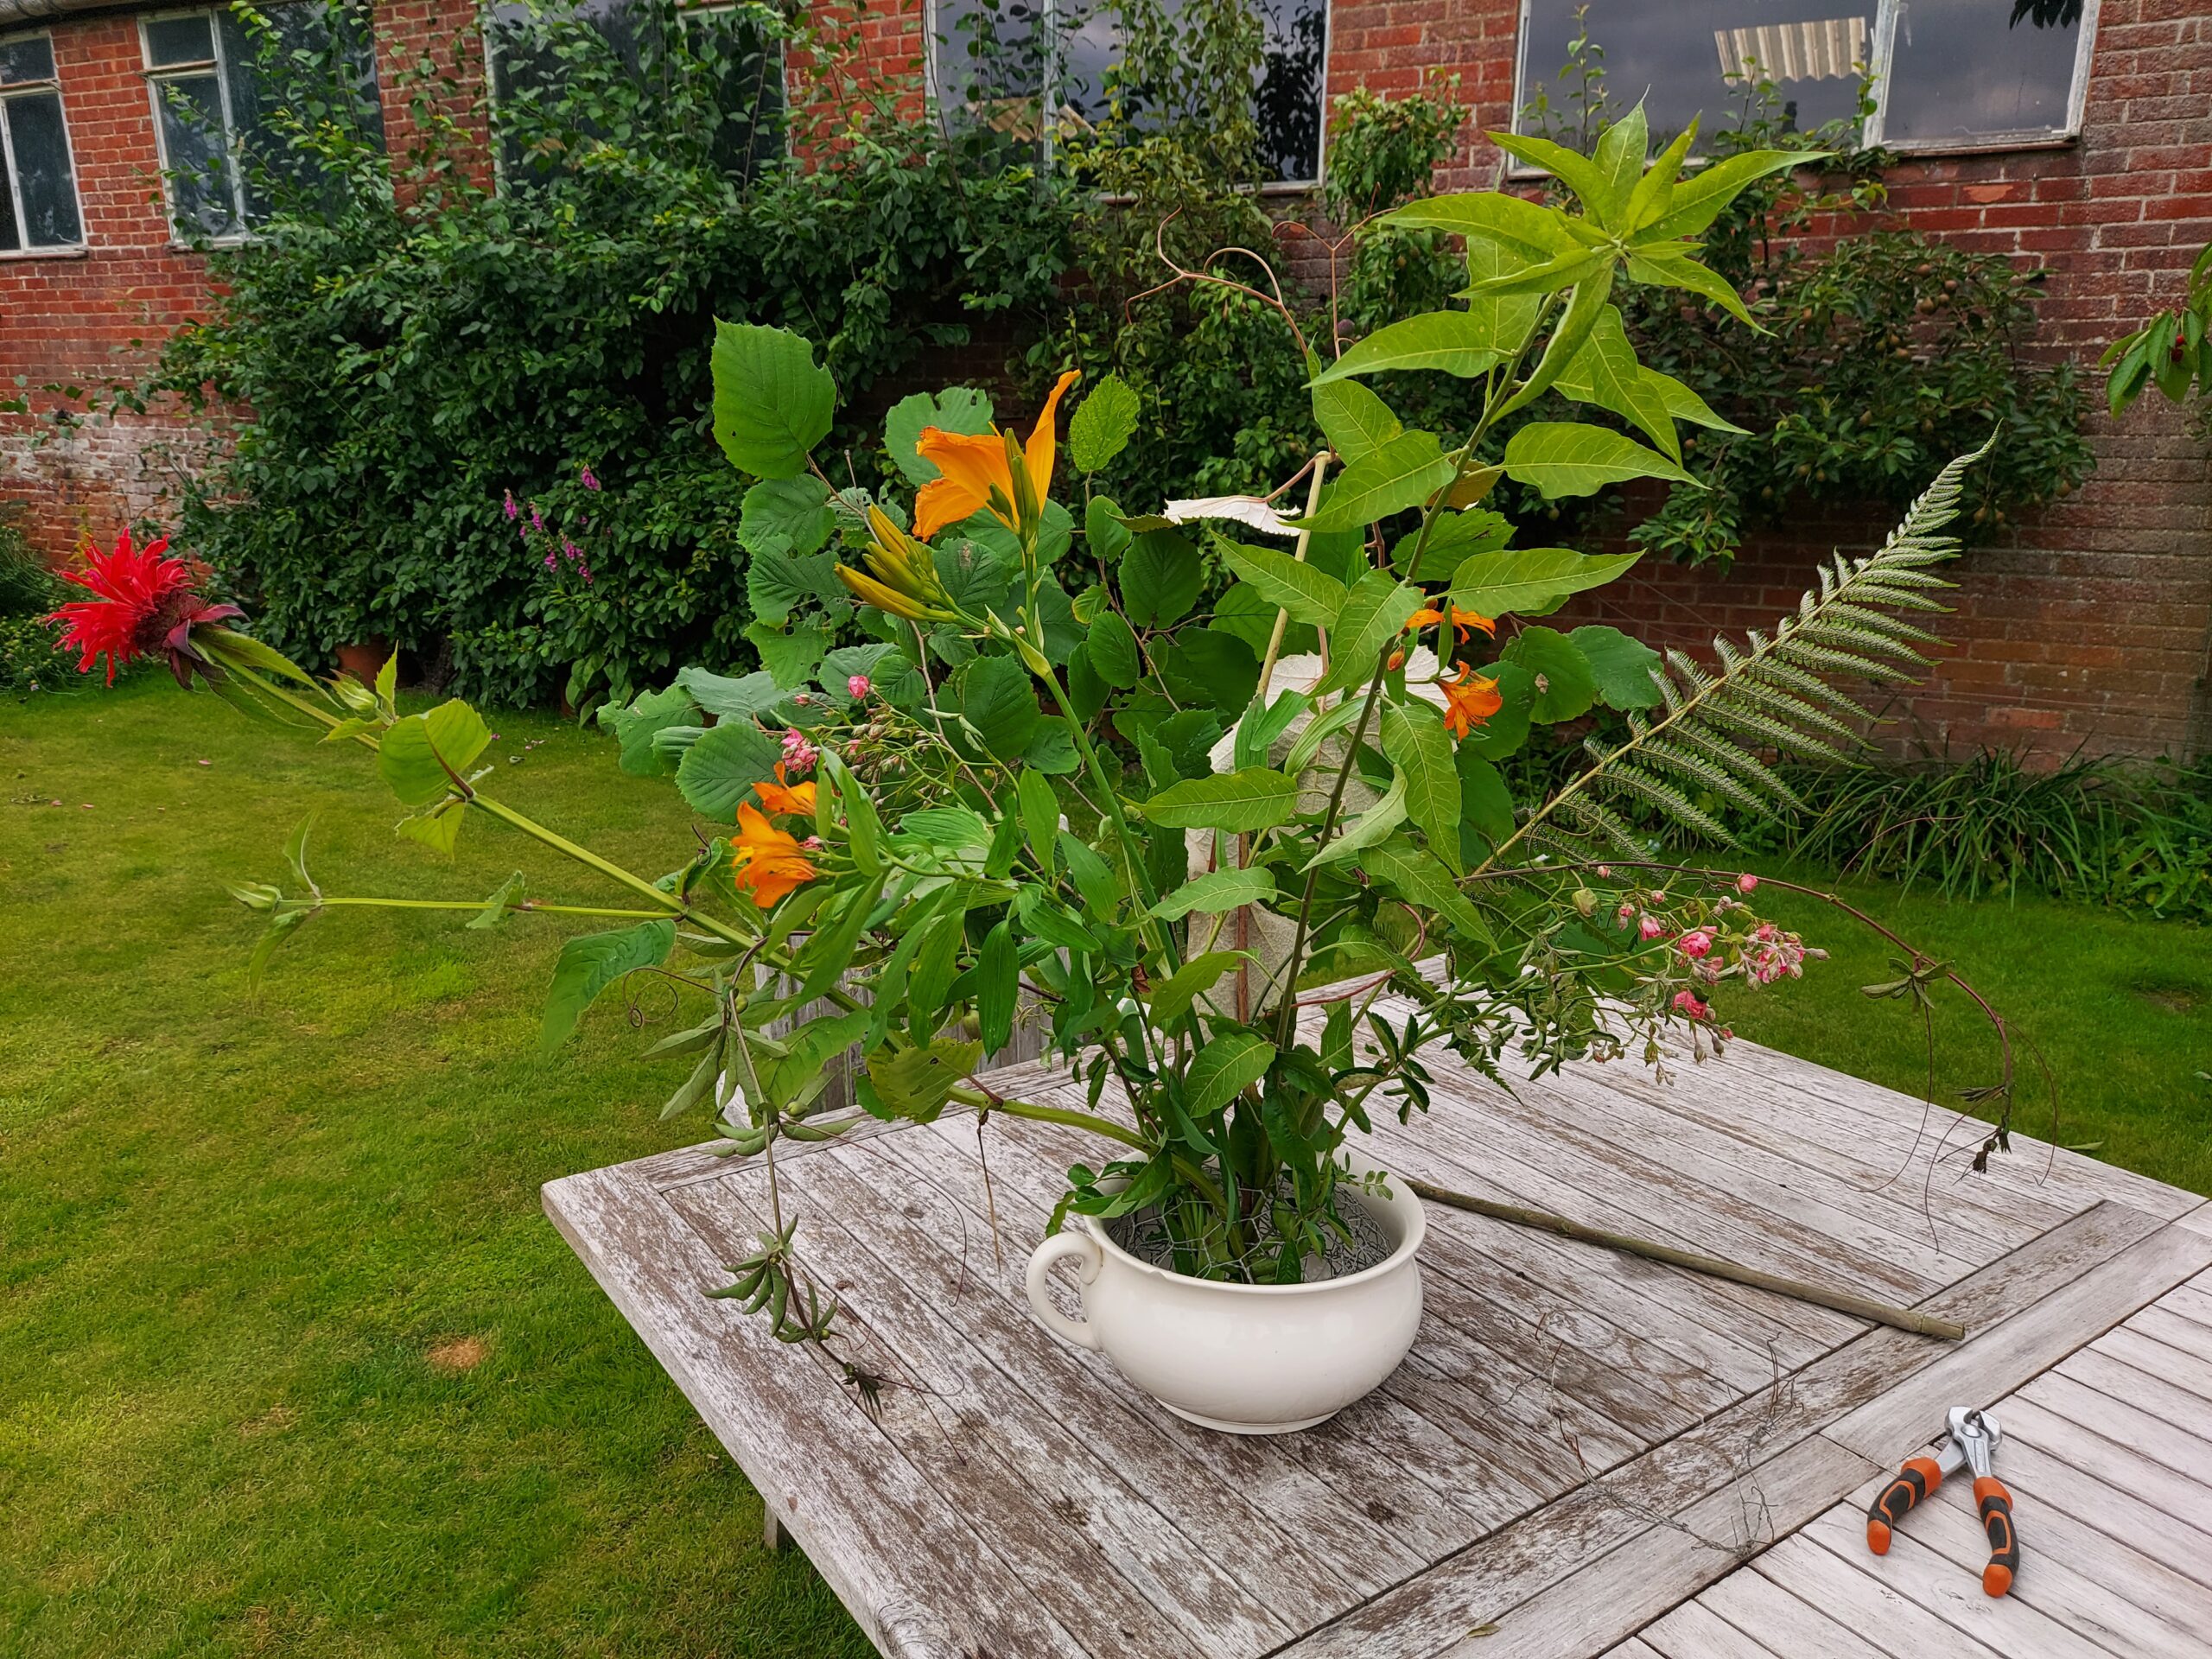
(977, 470)
(1469, 701)
(786, 798)
(766, 859)
(1463, 622)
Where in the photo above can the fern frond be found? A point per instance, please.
(1601, 823)
(1774, 690)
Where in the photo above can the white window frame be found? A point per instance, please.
(694, 9)
(1882, 42)
(934, 93)
(52, 250)
(233, 141)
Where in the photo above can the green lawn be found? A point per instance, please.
(290, 1361)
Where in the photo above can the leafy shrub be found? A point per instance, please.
(29, 659)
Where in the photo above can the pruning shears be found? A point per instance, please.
(1972, 1443)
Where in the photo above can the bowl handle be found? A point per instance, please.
(1075, 1333)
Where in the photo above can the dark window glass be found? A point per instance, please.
(1961, 70)
(203, 186)
(27, 57)
(180, 40)
(1698, 58)
(39, 145)
(997, 61)
(11, 236)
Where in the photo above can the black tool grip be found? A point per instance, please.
(1919, 1476)
(1996, 1506)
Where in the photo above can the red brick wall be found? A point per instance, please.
(2089, 625)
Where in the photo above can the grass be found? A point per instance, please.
(290, 1361)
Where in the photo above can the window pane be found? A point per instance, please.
(27, 57)
(42, 170)
(282, 75)
(748, 89)
(10, 238)
(1967, 69)
(179, 40)
(1695, 58)
(990, 59)
(199, 159)
(1290, 90)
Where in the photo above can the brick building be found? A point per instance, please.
(2072, 134)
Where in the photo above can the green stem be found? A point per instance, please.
(1073, 1119)
(531, 905)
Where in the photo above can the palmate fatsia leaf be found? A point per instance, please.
(1772, 693)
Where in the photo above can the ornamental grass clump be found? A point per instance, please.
(1199, 845)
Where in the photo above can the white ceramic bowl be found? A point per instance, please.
(1250, 1359)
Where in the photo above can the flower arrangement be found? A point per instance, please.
(1200, 846)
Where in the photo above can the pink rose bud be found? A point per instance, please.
(1747, 882)
(1688, 1002)
(1605, 870)
(1625, 915)
(1650, 927)
(1695, 943)
(856, 686)
(798, 753)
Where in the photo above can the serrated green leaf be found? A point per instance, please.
(789, 658)
(1103, 528)
(772, 401)
(1561, 458)
(422, 755)
(789, 516)
(1161, 578)
(957, 408)
(1622, 666)
(720, 770)
(1402, 473)
(1217, 891)
(1450, 342)
(1231, 1062)
(591, 962)
(1414, 739)
(999, 699)
(1111, 646)
(1354, 421)
(1566, 686)
(635, 727)
(1310, 596)
(1102, 424)
(731, 699)
(915, 1082)
(1237, 802)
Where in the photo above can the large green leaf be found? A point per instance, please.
(1102, 424)
(1103, 528)
(723, 766)
(1667, 267)
(1485, 802)
(1171, 998)
(1217, 891)
(1509, 316)
(1375, 613)
(1113, 648)
(1454, 342)
(1569, 458)
(1578, 172)
(1565, 683)
(1208, 668)
(1531, 580)
(731, 699)
(634, 726)
(1414, 739)
(1402, 473)
(1606, 372)
(789, 658)
(1289, 584)
(1618, 158)
(957, 409)
(915, 1082)
(776, 582)
(1375, 821)
(772, 401)
(1697, 201)
(1623, 666)
(1505, 732)
(999, 699)
(1238, 802)
(422, 755)
(1354, 421)
(590, 963)
(1584, 306)
(1161, 578)
(789, 516)
(1535, 232)
(1418, 875)
(1231, 1062)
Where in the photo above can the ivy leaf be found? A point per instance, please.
(421, 755)
(1217, 891)
(719, 769)
(1354, 421)
(1622, 666)
(1414, 739)
(1565, 685)
(957, 408)
(1569, 458)
(1230, 1063)
(1237, 802)
(789, 516)
(1458, 343)
(1531, 580)
(773, 403)
(1402, 473)
(1375, 613)
(1102, 424)
(589, 964)
(1309, 594)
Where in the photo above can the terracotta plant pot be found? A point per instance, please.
(1248, 1359)
(366, 660)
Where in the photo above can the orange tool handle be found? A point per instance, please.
(1919, 1476)
(1996, 1506)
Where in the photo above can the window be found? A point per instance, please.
(38, 187)
(1003, 63)
(1948, 73)
(222, 92)
(557, 68)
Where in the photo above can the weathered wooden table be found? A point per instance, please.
(1585, 1452)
